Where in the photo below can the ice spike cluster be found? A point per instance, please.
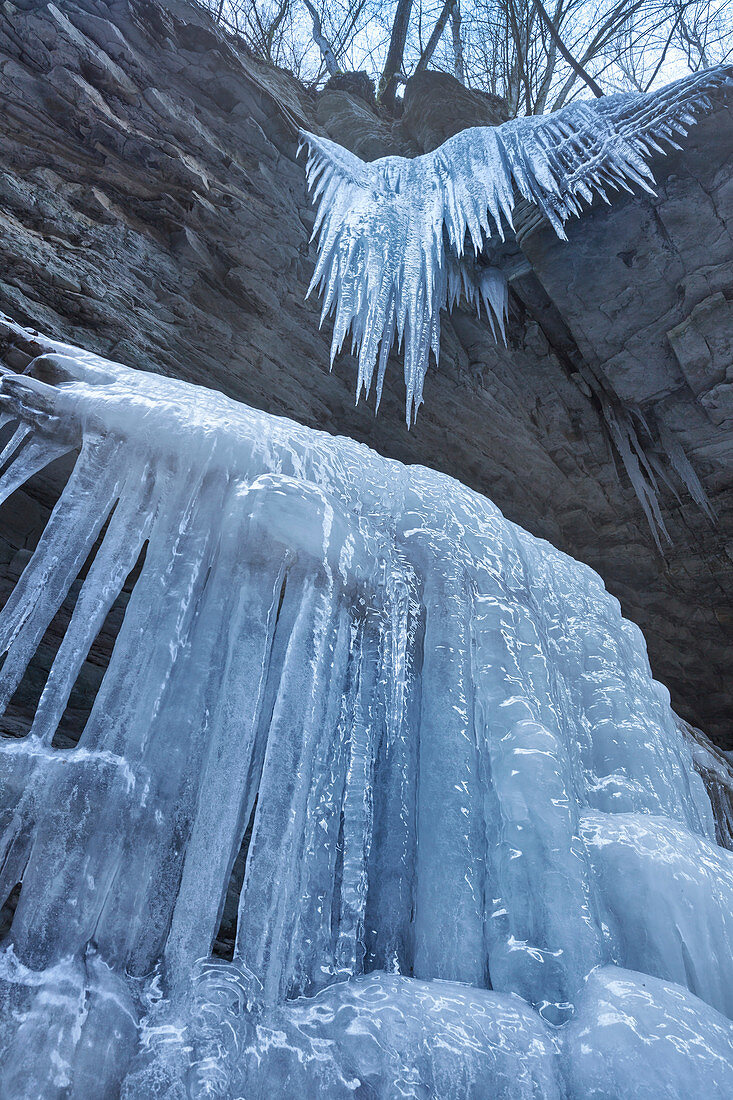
(397, 237)
(475, 859)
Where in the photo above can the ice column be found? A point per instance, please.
(468, 827)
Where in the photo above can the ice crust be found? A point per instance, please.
(400, 239)
(481, 860)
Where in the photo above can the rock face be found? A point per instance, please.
(153, 209)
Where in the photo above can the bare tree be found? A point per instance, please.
(455, 19)
(389, 79)
(558, 42)
(435, 37)
(537, 54)
(329, 58)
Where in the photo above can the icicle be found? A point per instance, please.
(74, 525)
(380, 225)
(683, 468)
(457, 804)
(114, 560)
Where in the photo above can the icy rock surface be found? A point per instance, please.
(471, 828)
(399, 239)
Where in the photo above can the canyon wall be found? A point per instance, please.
(153, 209)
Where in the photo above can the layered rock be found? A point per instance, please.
(152, 208)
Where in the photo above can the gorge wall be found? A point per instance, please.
(153, 209)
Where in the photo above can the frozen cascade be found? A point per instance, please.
(399, 239)
(479, 860)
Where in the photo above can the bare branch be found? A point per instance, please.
(329, 58)
(575, 65)
(436, 36)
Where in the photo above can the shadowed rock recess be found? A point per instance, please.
(153, 209)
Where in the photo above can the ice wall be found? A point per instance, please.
(478, 859)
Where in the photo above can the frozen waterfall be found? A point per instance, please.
(399, 239)
(476, 858)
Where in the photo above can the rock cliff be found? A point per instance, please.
(153, 209)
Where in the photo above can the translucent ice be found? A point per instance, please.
(469, 825)
(393, 234)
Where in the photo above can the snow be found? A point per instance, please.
(481, 862)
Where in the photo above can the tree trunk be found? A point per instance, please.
(436, 36)
(458, 68)
(393, 65)
(329, 58)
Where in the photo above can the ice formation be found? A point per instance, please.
(394, 235)
(478, 858)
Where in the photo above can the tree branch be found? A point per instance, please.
(574, 65)
(329, 57)
(436, 36)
